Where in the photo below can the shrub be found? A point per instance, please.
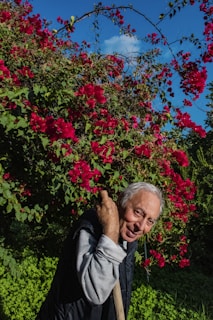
(74, 122)
(22, 296)
(150, 304)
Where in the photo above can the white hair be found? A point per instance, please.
(137, 186)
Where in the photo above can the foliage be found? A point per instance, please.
(22, 296)
(74, 122)
(150, 304)
(201, 171)
(170, 294)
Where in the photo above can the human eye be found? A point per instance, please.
(150, 222)
(138, 212)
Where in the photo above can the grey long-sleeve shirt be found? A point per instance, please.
(98, 266)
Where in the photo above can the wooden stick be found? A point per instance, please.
(118, 302)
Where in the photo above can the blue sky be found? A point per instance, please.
(185, 22)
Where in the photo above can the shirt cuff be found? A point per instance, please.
(110, 249)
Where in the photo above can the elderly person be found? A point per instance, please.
(98, 252)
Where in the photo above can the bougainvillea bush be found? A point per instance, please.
(74, 122)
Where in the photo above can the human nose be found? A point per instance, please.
(141, 224)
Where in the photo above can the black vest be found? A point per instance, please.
(66, 300)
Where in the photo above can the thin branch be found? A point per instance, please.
(104, 9)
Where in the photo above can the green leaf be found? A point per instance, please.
(16, 93)
(103, 139)
(9, 207)
(87, 127)
(116, 175)
(45, 141)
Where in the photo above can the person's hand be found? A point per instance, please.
(107, 212)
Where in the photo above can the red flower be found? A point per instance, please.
(83, 174)
(7, 176)
(200, 131)
(92, 91)
(181, 157)
(146, 263)
(105, 126)
(4, 71)
(105, 151)
(168, 225)
(37, 123)
(187, 103)
(158, 256)
(91, 103)
(26, 72)
(184, 263)
(143, 150)
(193, 80)
(159, 237)
(5, 15)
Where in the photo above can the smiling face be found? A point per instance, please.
(139, 216)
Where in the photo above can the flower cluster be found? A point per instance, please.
(108, 130)
(193, 80)
(26, 72)
(154, 37)
(93, 93)
(105, 126)
(105, 151)
(184, 121)
(143, 150)
(183, 249)
(207, 9)
(83, 174)
(5, 16)
(114, 14)
(116, 67)
(4, 71)
(181, 157)
(31, 25)
(55, 128)
(179, 191)
(159, 257)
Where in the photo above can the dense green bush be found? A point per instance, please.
(171, 293)
(22, 296)
(168, 296)
(150, 304)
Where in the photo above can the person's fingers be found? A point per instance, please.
(98, 208)
(104, 195)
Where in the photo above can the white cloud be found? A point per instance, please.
(129, 46)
